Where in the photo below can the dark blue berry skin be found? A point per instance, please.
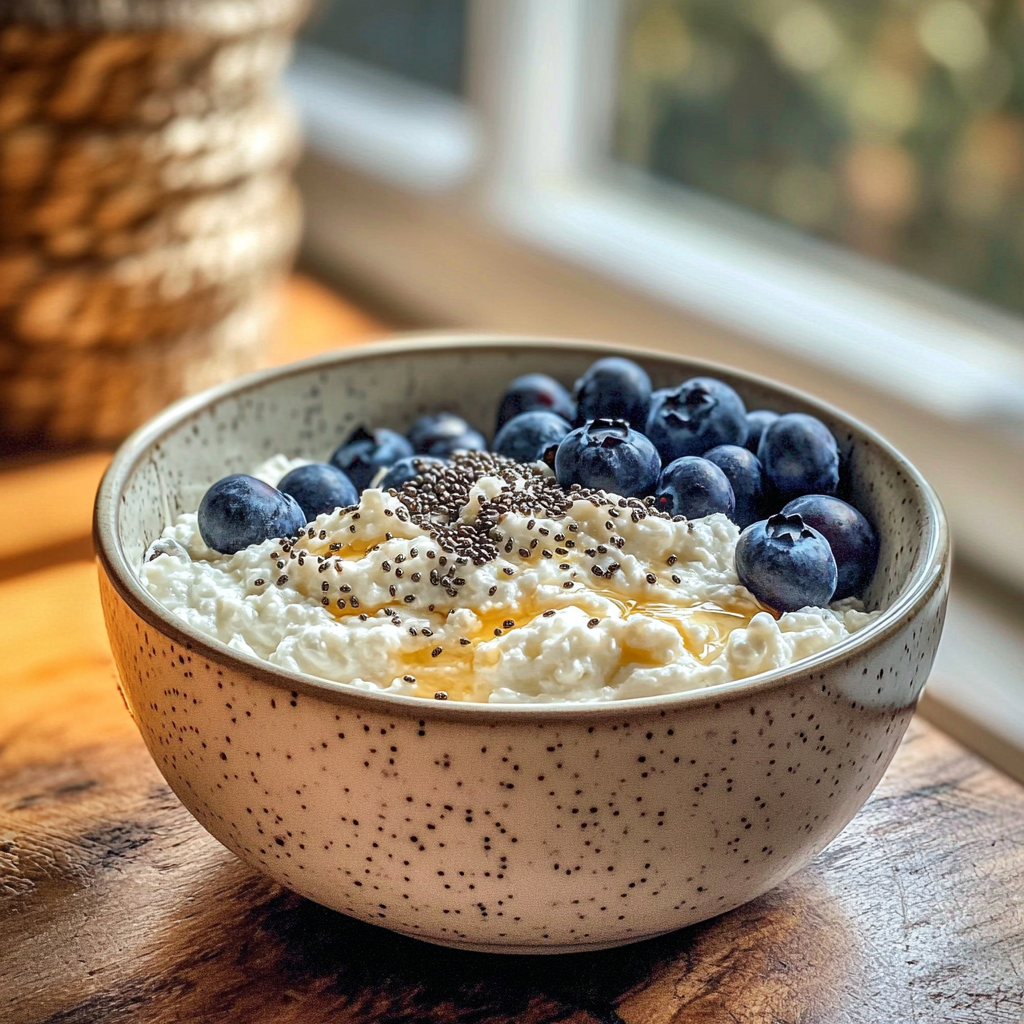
(609, 455)
(535, 391)
(786, 564)
(851, 537)
(368, 451)
(318, 488)
(240, 510)
(405, 469)
(527, 436)
(746, 475)
(799, 456)
(757, 421)
(700, 414)
(657, 397)
(443, 433)
(694, 487)
(613, 388)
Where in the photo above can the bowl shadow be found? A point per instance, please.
(247, 949)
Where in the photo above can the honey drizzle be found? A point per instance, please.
(452, 672)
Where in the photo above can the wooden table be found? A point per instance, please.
(115, 906)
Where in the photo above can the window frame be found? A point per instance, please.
(400, 131)
(556, 187)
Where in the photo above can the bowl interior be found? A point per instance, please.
(309, 408)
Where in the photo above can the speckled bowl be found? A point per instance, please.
(505, 828)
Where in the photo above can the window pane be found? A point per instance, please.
(421, 39)
(895, 127)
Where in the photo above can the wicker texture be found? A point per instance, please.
(53, 178)
(146, 204)
(101, 395)
(147, 296)
(214, 18)
(70, 76)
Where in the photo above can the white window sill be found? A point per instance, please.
(401, 132)
(951, 356)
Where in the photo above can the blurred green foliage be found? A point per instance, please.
(895, 127)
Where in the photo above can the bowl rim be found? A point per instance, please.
(933, 563)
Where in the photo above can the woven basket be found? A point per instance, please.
(157, 292)
(100, 395)
(117, 226)
(74, 77)
(71, 184)
(146, 206)
(213, 18)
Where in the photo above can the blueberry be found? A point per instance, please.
(319, 488)
(527, 436)
(443, 433)
(747, 478)
(241, 510)
(800, 456)
(786, 564)
(535, 391)
(610, 455)
(757, 421)
(851, 537)
(701, 413)
(613, 388)
(547, 456)
(694, 487)
(368, 451)
(658, 397)
(405, 469)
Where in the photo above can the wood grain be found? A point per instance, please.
(115, 906)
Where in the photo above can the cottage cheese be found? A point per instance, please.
(599, 602)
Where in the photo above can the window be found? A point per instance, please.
(381, 87)
(422, 40)
(895, 127)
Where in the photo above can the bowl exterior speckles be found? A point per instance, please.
(512, 829)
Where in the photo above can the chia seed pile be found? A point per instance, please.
(435, 500)
(437, 496)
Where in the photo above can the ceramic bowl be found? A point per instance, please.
(539, 828)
